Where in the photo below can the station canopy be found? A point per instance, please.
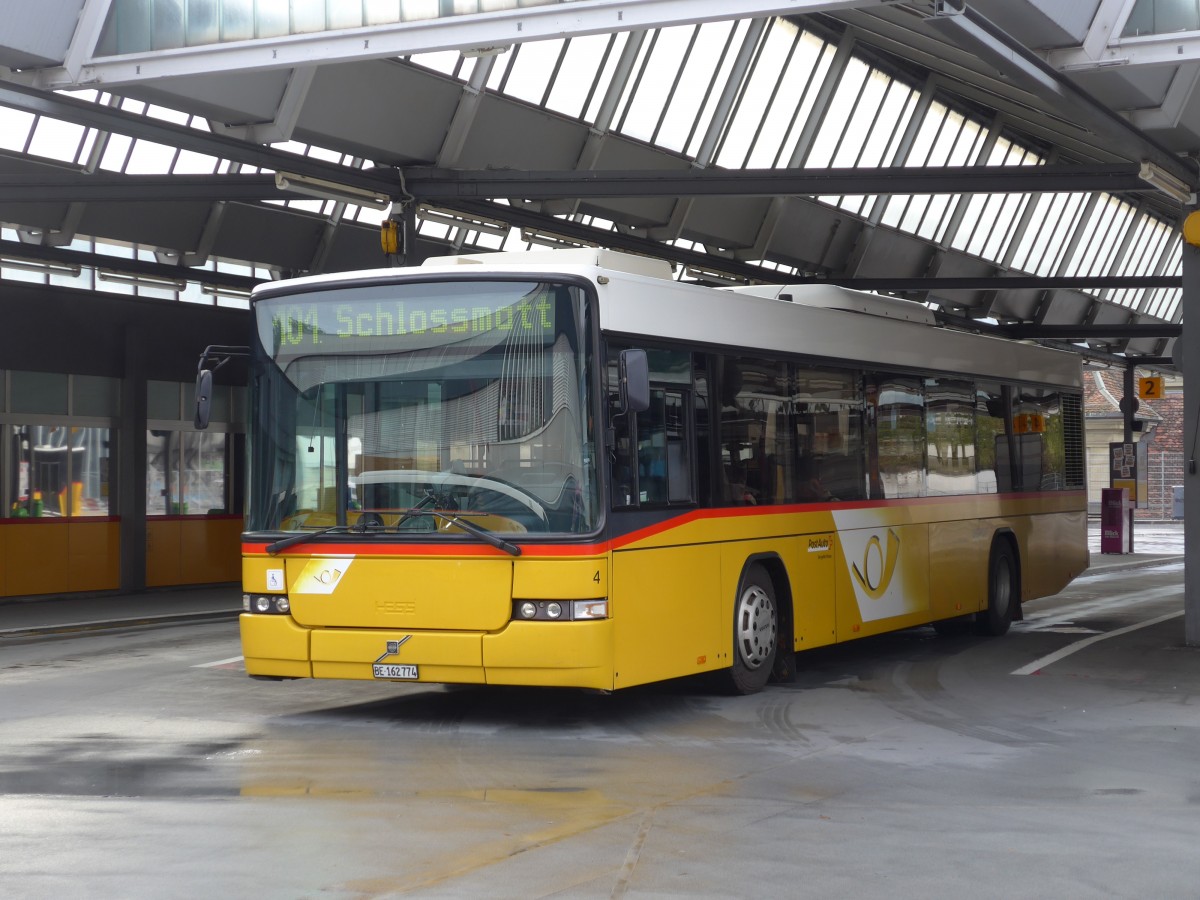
(1021, 166)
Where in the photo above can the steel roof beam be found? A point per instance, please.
(1170, 48)
(441, 184)
(1089, 332)
(103, 186)
(445, 184)
(616, 240)
(1001, 282)
(118, 121)
(1065, 337)
(40, 253)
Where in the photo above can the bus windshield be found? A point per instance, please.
(414, 407)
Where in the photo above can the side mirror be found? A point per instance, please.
(634, 373)
(218, 354)
(204, 383)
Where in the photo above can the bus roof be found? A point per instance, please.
(596, 257)
(639, 298)
(823, 321)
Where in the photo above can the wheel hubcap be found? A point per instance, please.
(755, 627)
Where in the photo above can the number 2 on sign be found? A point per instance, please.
(1150, 388)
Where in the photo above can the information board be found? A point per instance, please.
(1127, 469)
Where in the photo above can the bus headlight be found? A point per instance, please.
(559, 610)
(264, 603)
(589, 609)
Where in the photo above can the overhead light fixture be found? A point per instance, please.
(713, 276)
(231, 293)
(42, 268)
(331, 190)
(146, 281)
(1160, 178)
(480, 52)
(552, 238)
(453, 219)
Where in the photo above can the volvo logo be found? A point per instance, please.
(393, 647)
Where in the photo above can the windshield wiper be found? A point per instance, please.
(291, 539)
(416, 510)
(469, 527)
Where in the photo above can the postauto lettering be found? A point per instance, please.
(315, 323)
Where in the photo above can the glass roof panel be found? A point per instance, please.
(56, 139)
(116, 153)
(15, 127)
(569, 94)
(189, 162)
(716, 46)
(784, 78)
(1162, 17)
(655, 83)
(671, 98)
(149, 157)
(605, 77)
(141, 26)
(529, 73)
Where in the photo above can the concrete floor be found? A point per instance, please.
(1059, 761)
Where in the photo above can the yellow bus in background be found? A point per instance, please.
(567, 469)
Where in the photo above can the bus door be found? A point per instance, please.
(664, 575)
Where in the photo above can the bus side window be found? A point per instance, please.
(700, 422)
(756, 436)
(994, 439)
(624, 469)
(664, 451)
(899, 435)
(826, 410)
(950, 436)
(652, 452)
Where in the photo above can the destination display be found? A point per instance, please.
(402, 317)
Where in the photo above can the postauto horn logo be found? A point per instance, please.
(882, 586)
(878, 565)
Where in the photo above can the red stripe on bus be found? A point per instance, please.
(597, 548)
(729, 512)
(344, 549)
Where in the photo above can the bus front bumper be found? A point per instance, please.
(548, 654)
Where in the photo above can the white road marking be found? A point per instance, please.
(219, 662)
(1063, 629)
(1038, 664)
(1072, 611)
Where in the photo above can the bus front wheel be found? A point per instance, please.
(1002, 591)
(755, 631)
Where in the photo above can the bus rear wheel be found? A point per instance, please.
(1002, 592)
(755, 632)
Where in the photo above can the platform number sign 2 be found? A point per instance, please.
(1150, 388)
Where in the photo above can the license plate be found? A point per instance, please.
(402, 672)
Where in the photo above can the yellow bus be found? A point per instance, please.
(565, 468)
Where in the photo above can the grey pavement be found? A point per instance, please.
(60, 615)
(1153, 543)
